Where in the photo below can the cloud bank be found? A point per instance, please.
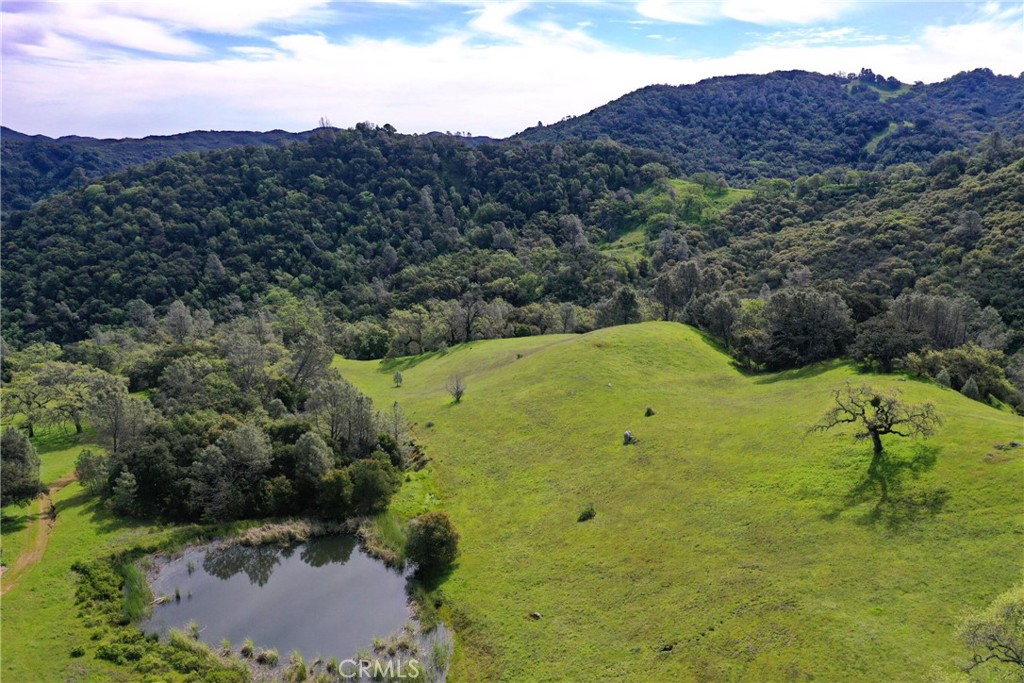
(138, 68)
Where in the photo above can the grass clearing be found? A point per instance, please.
(628, 245)
(727, 544)
(58, 450)
(41, 622)
(873, 143)
(883, 93)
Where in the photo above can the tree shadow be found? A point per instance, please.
(318, 552)
(805, 372)
(103, 519)
(428, 581)
(12, 525)
(407, 362)
(895, 507)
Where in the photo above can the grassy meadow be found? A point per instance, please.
(40, 621)
(728, 543)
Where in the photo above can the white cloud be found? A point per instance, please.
(674, 11)
(63, 32)
(145, 25)
(766, 12)
(210, 16)
(540, 71)
(821, 36)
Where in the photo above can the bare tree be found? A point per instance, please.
(119, 418)
(456, 386)
(178, 322)
(344, 415)
(311, 358)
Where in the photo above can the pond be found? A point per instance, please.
(324, 597)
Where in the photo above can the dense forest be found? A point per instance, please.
(783, 124)
(367, 219)
(35, 166)
(241, 419)
(793, 123)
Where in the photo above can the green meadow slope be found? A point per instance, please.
(728, 545)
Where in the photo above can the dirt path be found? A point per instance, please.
(43, 526)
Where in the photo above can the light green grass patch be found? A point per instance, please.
(41, 622)
(883, 93)
(58, 451)
(873, 143)
(628, 245)
(725, 544)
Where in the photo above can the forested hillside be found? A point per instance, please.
(953, 228)
(793, 123)
(366, 218)
(36, 166)
(783, 124)
(416, 243)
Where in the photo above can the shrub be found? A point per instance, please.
(19, 463)
(78, 651)
(970, 389)
(588, 513)
(373, 484)
(334, 496)
(456, 386)
(433, 542)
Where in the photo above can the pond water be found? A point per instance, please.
(324, 597)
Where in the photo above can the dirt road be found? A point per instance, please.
(43, 524)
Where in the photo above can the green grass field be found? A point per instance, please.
(728, 544)
(883, 94)
(40, 622)
(57, 453)
(873, 143)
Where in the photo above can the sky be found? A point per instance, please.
(141, 67)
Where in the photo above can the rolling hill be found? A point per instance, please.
(728, 543)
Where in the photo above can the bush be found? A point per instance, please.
(19, 468)
(588, 513)
(78, 651)
(433, 542)
(970, 389)
(373, 484)
(334, 497)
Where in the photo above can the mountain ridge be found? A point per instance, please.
(792, 123)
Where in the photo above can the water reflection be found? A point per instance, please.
(324, 597)
(258, 562)
(337, 551)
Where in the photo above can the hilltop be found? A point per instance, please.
(727, 544)
(37, 166)
(792, 123)
(783, 124)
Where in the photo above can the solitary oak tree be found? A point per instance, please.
(996, 634)
(879, 414)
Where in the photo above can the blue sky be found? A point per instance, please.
(140, 67)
